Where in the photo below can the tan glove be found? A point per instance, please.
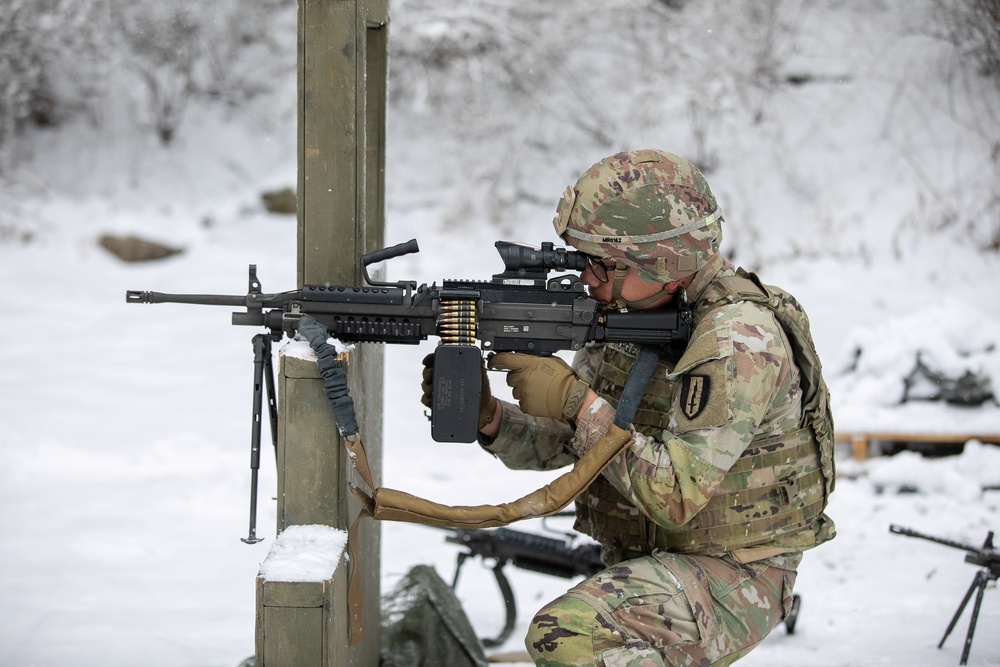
(543, 386)
(487, 403)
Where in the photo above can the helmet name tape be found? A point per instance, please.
(710, 219)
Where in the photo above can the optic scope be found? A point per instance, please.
(518, 257)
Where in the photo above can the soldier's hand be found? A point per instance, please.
(487, 403)
(543, 386)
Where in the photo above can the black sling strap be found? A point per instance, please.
(635, 385)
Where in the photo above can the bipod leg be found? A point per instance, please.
(506, 592)
(261, 354)
(272, 396)
(458, 568)
(980, 589)
(978, 586)
(510, 608)
(793, 614)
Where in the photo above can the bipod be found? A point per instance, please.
(263, 382)
(979, 583)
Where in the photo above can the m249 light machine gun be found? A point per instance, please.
(521, 309)
(987, 558)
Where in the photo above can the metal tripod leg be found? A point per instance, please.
(979, 587)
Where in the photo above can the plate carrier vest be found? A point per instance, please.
(737, 516)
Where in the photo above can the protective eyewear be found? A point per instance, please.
(599, 268)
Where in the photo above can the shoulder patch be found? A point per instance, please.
(703, 397)
(695, 390)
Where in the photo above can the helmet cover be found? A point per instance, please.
(649, 209)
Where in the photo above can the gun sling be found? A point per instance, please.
(391, 505)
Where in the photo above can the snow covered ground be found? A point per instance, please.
(124, 444)
(125, 484)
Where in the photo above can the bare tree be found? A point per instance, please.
(973, 28)
(44, 48)
(162, 43)
(189, 49)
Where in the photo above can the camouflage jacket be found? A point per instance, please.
(749, 392)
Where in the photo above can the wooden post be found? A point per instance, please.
(342, 68)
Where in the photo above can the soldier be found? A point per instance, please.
(703, 519)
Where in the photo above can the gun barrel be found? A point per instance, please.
(909, 532)
(139, 296)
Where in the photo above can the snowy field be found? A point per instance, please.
(124, 450)
(125, 484)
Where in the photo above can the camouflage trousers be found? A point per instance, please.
(662, 610)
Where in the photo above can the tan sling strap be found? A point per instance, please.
(391, 505)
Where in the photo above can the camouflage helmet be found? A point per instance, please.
(648, 209)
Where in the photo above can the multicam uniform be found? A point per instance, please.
(704, 518)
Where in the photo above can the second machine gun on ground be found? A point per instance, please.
(528, 551)
(987, 558)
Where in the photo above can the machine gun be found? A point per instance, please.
(987, 558)
(520, 309)
(528, 551)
